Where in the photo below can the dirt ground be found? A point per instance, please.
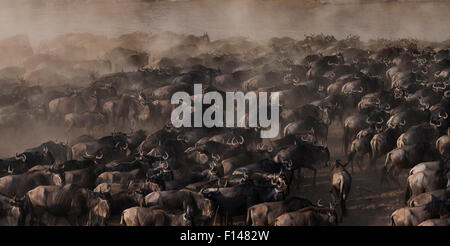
(369, 202)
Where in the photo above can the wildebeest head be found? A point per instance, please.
(95, 158)
(100, 207)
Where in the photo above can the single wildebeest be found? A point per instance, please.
(264, 214)
(121, 196)
(359, 148)
(383, 142)
(85, 177)
(72, 201)
(436, 222)
(11, 212)
(443, 145)
(341, 182)
(412, 216)
(309, 216)
(18, 185)
(303, 155)
(87, 120)
(154, 216)
(433, 199)
(59, 151)
(121, 177)
(173, 201)
(235, 201)
(419, 133)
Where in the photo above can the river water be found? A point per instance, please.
(256, 19)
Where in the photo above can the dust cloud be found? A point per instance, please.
(257, 19)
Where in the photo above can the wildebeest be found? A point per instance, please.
(79, 205)
(176, 199)
(11, 212)
(408, 157)
(309, 216)
(412, 216)
(154, 216)
(19, 184)
(264, 214)
(341, 182)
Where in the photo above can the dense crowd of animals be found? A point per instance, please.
(390, 98)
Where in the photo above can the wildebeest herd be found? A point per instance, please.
(124, 159)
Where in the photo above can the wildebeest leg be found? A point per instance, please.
(360, 160)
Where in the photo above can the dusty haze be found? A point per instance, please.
(257, 19)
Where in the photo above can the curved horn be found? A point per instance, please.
(125, 146)
(387, 107)
(165, 165)
(269, 149)
(87, 155)
(259, 146)
(380, 122)
(234, 141)
(436, 74)
(319, 204)
(99, 157)
(241, 140)
(361, 90)
(403, 122)
(446, 93)
(165, 156)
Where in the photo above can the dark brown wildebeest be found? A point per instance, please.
(408, 157)
(72, 201)
(87, 120)
(341, 182)
(413, 216)
(264, 214)
(11, 212)
(175, 200)
(309, 216)
(18, 185)
(154, 216)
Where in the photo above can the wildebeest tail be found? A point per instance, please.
(407, 193)
(392, 220)
(122, 220)
(248, 221)
(385, 168)
(26, 210)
